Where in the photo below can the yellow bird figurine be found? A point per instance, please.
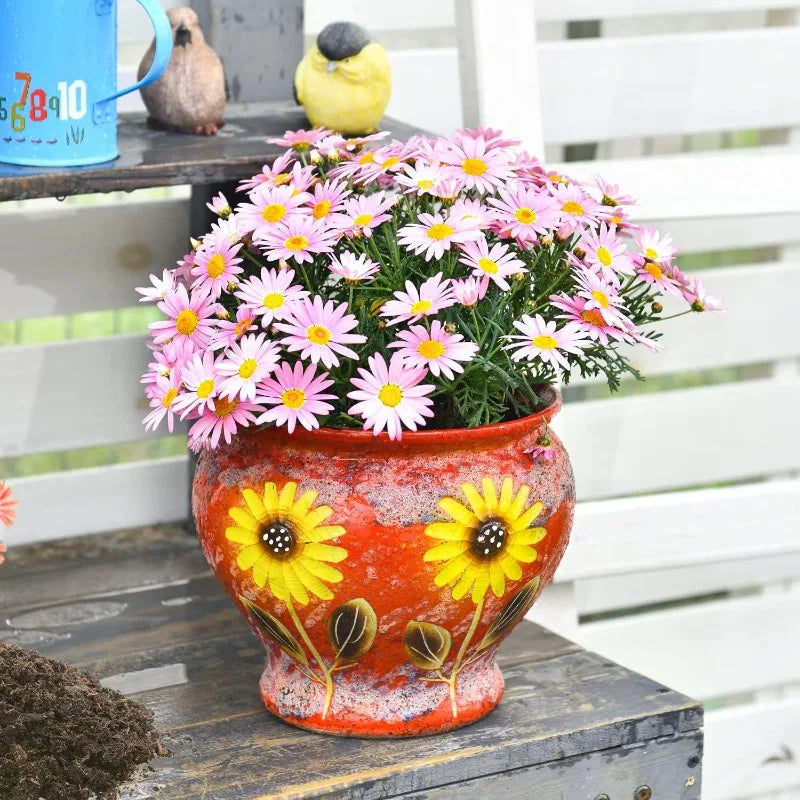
(344, 82)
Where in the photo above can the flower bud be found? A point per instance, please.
(698, 306)
(544, 441)
(518, 277)
(381, 324)
(332, 155)
(315, 157)
(547, 241)
(450, 327)
(656, 307)
(233, 285)
(224, 314)
(579, 253)
(609, 201)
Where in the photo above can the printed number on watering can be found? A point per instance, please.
(69, 102)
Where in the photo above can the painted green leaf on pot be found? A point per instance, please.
(352, 628)
(427, 645)
(513, 611)
(276, 631)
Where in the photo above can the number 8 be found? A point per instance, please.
(38, 110)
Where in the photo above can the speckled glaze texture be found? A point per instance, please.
(386, 574)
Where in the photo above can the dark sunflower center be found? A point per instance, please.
(489, 539)
(279, 539)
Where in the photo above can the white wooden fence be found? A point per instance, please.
(698, 587)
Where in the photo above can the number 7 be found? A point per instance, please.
(25, 77)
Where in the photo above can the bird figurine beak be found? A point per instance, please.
(331, 66)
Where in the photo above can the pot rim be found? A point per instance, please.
(450, 437)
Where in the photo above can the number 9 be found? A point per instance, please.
(17, 119)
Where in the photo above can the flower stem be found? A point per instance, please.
(457, 664)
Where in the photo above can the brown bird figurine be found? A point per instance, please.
(190, 96)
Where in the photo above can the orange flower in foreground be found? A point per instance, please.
(8, 506)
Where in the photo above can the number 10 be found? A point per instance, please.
(73, 99)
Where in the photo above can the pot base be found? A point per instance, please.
(399, 705)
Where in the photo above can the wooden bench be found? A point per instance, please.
(141, 609)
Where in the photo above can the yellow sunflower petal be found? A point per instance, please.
(450, 571)
(506, 495)
(464, 582)
(489, 495)
(529, 516)
(249, 555)
(523, 553)
(241, 535)
(322, 570)
(311, 582)
(303, 505)
(324, 532)
(317, 516)
(271, 498)
(460, 513)
(497, 579)
(511, 568)
(324, 552)
(294, 584)
(447, 531)
(286, 497)
(480, 587)
(255, 504)
(519, 502)
(446, 551)
(528, 536)
(261, 570)
(244, 519)
(277, 584)
(475, 500)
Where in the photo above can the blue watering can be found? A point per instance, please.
(58, 79)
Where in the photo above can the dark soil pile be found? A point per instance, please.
(63, 736)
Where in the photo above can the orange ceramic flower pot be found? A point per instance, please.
(382, 576)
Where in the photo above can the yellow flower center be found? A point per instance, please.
(215, 266)
(593, 317)
(186, 322)
(654, 270)
(293, 398)
(430, 349)
(601, 298)
(247, 368)
(273, 300)
(296, 243)
(321, 209)
(425, 183)
(366, 158)
(488, 266)
(274, 212)
(362, 219)
(421, 306)
(573, 208)
(604, 256)
(242, 326)
(544, 342)
(440, 231)
(280, 179)
(474, 166)
(204, 388)
(390, 395)
(651, 254)
(225, 406)
(318, 334)
(390, 162)
(169, 397)
(525, 215)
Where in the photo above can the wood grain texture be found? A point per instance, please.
(184, 644)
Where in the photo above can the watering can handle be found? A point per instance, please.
(163, 33)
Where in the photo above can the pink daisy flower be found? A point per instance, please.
(434, 235)
(577, 208)
(413, 304)
(391, 396)
(352, 170)
(493, 138)
(230, 331)
(421, 178)
(471, 212)
(327, 198)
(191, 316)
(201, 382)
(270, 206)
(447, 190)
(183, 272)
(300, 140)
(8, 507)
(525, 213)
(694, 292)
(296, 396)
(661, 276)
(612, 195)
(475, 165)
(226, 229)
(275, 174)
(655, 247)
(362, 214)
(220, 206)
(167, 357)
(353, 268)
(600, 294)
(299, 238)
(248, 362)
(163, 394)
(544, 341)
(302, 178)
(543, 449)
(160, 288)
(436, 349)
(469, 291)
(385, 162)
(271, 296)
(228, 415)
(216, 264)
(605, 251)
(320, 331)
(497, 263)
(591, 320)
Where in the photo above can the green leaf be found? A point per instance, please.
(513, 611)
